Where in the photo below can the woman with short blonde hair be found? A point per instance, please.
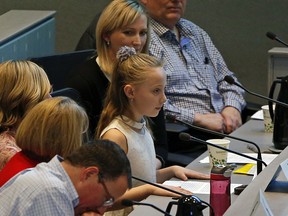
(56, 126)
(23, 84)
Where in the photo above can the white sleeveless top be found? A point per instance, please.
(141, 151)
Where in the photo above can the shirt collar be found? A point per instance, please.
(158, 28)
(161, 30)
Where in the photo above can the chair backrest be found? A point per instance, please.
(59, 67)
(74, 95)
(68, 92)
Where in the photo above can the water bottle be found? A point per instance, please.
(220, 182)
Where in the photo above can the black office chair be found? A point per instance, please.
(180, 152)
(176, 158)
(68, 92)
(74, 95)
(249, 110)
(59, 67)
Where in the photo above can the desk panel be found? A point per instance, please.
(276, 201)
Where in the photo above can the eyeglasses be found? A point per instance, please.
(110, 201)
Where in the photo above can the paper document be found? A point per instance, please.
(196, 187)
(258, 115)
(233, 158)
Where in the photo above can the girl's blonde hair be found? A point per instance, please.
(117, 14)
(54, 126)
(134, 70)
(23, 84)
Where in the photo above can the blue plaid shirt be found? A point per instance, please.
(43, 190)
(195, 71)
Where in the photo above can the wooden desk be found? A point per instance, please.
(252, 130)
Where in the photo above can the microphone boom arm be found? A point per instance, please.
(259, 156)
(225, 149)
(231, 81)
(273, 36)
(159, 186)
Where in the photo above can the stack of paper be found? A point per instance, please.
(196, 187)
(233, 158)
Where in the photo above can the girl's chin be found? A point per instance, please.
(154, 114)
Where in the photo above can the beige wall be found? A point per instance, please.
(237, 28)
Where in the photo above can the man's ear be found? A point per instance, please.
(88, 172)
(129, 91)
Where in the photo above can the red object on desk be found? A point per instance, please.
(220, 182)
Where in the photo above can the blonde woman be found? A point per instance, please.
(122, 23)
(23, 84)
(54, 126)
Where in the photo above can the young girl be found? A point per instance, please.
(137, 91)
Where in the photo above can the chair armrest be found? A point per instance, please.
(172, 127)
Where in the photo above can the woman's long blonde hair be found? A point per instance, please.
(23, 84)
(54, 126)
(117, 14)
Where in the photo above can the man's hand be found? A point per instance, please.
(212, 121)
(232, 119)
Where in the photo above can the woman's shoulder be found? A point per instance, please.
(7, 138)
(88, 77)
(8, 147)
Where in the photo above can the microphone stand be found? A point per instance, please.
(159, 186)
(231, 81)
(272, 36)
(259, 156)
(188, 137)
(183, 196)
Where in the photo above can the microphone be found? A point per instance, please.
(259, 156)
(188, 137)
(231, 81)
(273, 36)
(127, 202)
(197, 206)
(159, 186)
